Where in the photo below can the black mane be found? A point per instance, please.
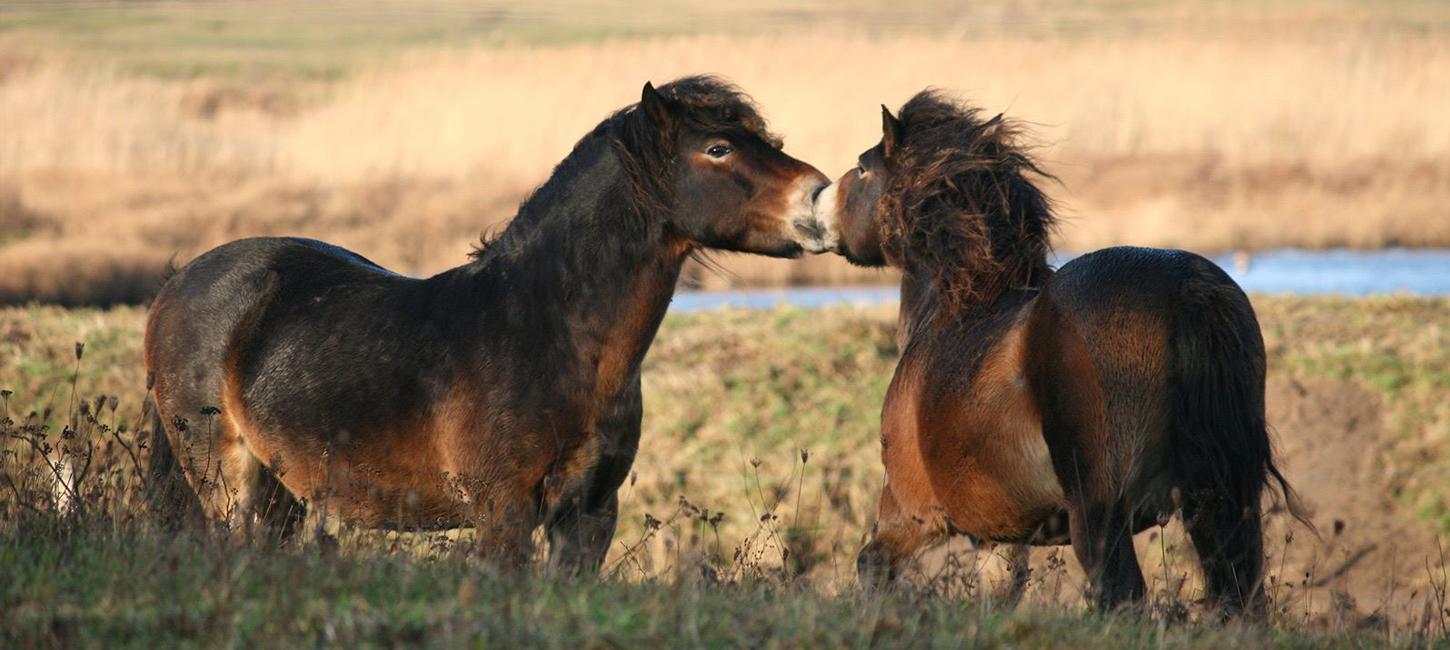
(644, 152)
(962, 204)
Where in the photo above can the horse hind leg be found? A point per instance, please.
(1219, 439)
(1103, 543)
(172, 501)
(1098, 518)
(1229, 539)
(232, 485)
(233, 490)
(278, 513)
(237, 478)
(1082, 431)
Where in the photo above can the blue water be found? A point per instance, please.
(1292, 271)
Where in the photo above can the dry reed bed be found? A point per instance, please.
(1237, 138)
(512, 112)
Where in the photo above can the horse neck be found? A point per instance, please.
(921, 312)
(579, 263)
(916, 307)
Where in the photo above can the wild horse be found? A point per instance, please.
(1033, 406)
(504, 393)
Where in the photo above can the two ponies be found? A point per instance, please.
(1030, 405)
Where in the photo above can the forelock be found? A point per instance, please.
(712, 104)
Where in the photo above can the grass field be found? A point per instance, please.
(136, 133)
(769, 419)
(77, 590)
(83, 590)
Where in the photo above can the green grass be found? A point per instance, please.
(85, 585)
(733, 399)
(1399, 350)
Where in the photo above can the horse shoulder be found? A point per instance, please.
(901, 443)
(1010, 412)
(991, 457)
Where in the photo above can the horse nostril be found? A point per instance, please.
(811, 229)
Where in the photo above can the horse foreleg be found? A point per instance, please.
(581, 521)
(505, 519)
(895, 539)
(581, 524)
(1004, 571)
(579, 538)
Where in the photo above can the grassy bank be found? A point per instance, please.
(758, 470)
(84, 589)
(723, 388)
(155, 129)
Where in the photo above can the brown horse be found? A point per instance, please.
(502, 394)
(1033, 406)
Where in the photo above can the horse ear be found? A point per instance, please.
(655, 106)
(890, 131)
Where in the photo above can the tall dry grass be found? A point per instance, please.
(513, 112)
(516, 111)
(1257, 135)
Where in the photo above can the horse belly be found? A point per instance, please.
(376, 478)
(395, 493)
(373, 488)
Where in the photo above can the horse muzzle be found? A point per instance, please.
(820, 231)
(812, 235)
(805, 227)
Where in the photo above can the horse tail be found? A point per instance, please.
(1220, 442)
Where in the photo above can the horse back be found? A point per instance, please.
(300, 292)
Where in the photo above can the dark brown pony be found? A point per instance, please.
(502, 394)
(1033, 406)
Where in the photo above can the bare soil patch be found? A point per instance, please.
(1370, 562)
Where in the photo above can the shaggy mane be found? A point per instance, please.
(961, 205)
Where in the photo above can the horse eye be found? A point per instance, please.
(718, 151)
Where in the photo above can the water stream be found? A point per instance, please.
(1292, 271)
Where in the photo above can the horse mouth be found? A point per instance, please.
(790, 251)
(822, 234)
